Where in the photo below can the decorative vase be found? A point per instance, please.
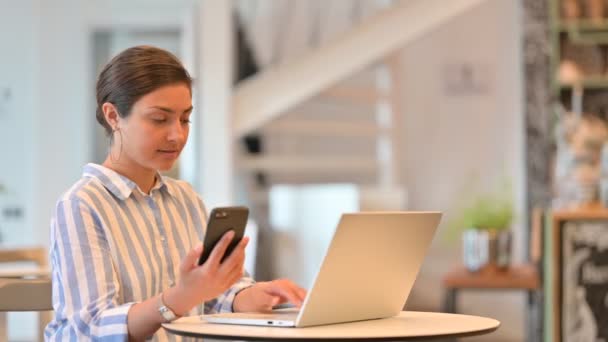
(486, 247)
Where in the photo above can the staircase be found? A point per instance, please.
(333, 113)
(336, 136)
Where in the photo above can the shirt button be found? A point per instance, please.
(162, 238)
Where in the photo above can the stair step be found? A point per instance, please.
(355, 94)
(371, 198)
(331, 128)
(309, 165)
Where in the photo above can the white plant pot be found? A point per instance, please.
(482, 247)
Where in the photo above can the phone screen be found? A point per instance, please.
(221, 221)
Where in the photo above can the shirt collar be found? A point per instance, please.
(119, 185)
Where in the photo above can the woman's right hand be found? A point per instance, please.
(199, 283)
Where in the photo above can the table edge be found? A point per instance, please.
(388, 338)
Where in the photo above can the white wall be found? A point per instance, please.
(304, 218)
(451, 139)
(17, 114)
(46, 62)
(46, 133)
(62, 130)
(18, 56)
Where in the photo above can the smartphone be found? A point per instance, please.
(222, 220)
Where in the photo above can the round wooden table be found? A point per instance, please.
(405, 326)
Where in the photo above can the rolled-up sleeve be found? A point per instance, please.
(223, 303)
(85, 284)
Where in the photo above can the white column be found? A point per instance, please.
(189, 45)
(215, 153)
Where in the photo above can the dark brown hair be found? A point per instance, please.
(134, 73)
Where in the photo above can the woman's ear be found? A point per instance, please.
(110, 113)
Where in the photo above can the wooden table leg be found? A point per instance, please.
(449, 301)
(3, 327)
(44, 317)
(449, 305)
(534, 316)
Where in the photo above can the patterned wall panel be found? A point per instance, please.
(537, 101)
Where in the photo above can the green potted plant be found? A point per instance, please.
(485, 225)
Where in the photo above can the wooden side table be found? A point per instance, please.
(517, 277)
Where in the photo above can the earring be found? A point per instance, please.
(115, 161)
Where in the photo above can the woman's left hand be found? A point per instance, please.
(263, 296)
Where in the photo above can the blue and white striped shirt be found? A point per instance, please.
(112, 246)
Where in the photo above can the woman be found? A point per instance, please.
(120, 236)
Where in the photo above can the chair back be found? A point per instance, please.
(19, 292)
(25, 294)
(33, 254)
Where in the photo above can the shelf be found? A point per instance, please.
(592, 211)
(584, 25)
(587, 32)
(513, 277)
(596, 82)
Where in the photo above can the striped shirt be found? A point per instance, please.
(113, 245)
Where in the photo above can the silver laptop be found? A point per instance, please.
(367, 273)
